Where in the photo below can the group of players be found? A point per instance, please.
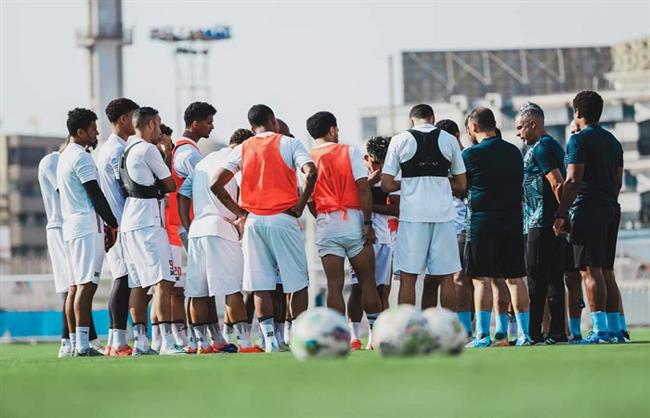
(413, 205)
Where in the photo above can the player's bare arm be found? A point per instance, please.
(459, 185)
(569, 193)
(221, 178)
(389, 184)
(365, 197)
(311, 175)
(556, 181)
(184, 205)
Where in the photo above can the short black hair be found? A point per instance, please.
(448, 126)
(377, 146)
(259, 115)
(284, 128)
(119, 107)
(497, 133)
(240, 135)
(198, 111)
(80, 118)
(484, 118)
(590, 105)
(320, 123)
(143, 115)
(421, 111)
(166, 130)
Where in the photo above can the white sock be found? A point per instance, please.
(167, 335)
(191, 336)
(260, 338)
(279, 331)
(73, 341)
(140, 336)
(82, 339)
(355, 330)
(109, 340)
(215, 334)
(200, 332)
(229, 334)
(247, 327)
(180, 333)
(95, 343)
(156, 338)
(270, 341)
(287, 331)
(239, 332)
(119, 338)
(65, 343)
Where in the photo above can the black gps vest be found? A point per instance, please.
(133, 189)
(379, 197)
(428, 161)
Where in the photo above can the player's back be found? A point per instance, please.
(48, 185)
(108, 163)
(495, 177)
(602, 156)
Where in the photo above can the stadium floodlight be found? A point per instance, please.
(190, 60)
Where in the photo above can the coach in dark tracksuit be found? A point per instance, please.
(544, 174)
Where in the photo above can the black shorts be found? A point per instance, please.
(594, 231)
(545, 253)
(495, 248)
(569, 260)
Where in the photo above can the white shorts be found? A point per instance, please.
(86, 257)
(343, 246)
(61, 269)
(215, 266)
(383, 260)
(426, 247)
(179, 271)
(115, 260)
(274, 243)
(148, 256)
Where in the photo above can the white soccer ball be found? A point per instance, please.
(446, 329)
(320, 333)
(402, 331)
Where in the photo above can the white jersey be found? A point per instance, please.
(49, 189)
(424, 199)
(186, 158)
(75, 168)
(332, 224)
(209, 213)
(108, 164)
(144, 164)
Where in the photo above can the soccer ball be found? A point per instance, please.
(446, 329)
(320, 333)
(402, 331)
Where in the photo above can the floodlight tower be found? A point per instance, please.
(104, 38)
(191, 58)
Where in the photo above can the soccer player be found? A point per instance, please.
(146, 180)
(215, 260)
(199, 123)
(383, 206)
(426, 238)
(544, 174)
(120, 115)
(270, 204)
(462, 285)
(82, 206)
(61, 269)
(594, 179)
(494, 249)
(342, 205)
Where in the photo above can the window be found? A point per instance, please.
(26, 155)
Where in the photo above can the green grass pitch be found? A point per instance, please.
(540, 381)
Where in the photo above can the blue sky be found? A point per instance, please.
(298, 57)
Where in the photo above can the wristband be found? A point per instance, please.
(367, 222)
